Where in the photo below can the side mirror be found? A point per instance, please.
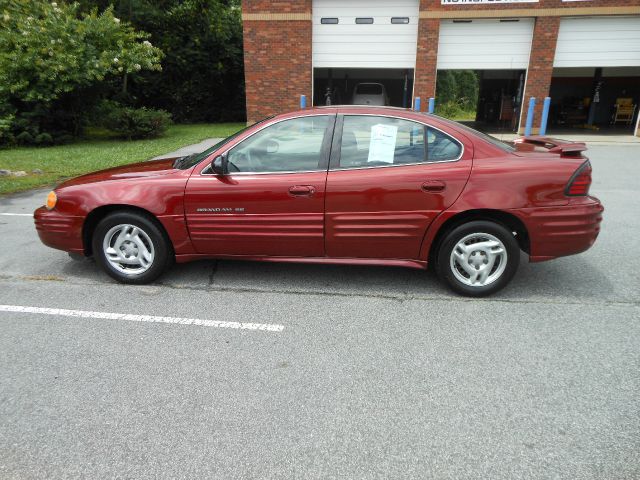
(220, 165)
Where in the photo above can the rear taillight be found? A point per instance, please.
(580, 181)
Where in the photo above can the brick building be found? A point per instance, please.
(584, 54)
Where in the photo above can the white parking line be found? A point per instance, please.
(16, 214)
(266, 327)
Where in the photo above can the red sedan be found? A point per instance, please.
(341, 185)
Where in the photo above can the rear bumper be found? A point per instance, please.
(60, 231)
(564, 230)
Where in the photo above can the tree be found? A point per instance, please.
(446, 86)
(54, 60)
(457, 93)
(467, 88)
(202, 78)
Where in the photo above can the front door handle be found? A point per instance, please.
(302, 190)
(433, 186)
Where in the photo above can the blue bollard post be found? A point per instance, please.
(303, 101)
(529, 124)
(416, 104)
(545, 115)
(432, 104)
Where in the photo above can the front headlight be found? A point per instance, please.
(52, 199)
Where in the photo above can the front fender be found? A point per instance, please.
(161, 196)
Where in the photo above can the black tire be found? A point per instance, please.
(162, 252)
(445, 270)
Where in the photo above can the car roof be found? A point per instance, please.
(367, 108)
(398, 112)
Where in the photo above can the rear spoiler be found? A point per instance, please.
(554, 145)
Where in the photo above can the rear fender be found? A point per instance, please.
(510, 183)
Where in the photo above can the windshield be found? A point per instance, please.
(189, 161)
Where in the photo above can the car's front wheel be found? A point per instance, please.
(131, 248)
(478, 258)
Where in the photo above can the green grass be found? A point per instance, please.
(465, 115)
(100, 150)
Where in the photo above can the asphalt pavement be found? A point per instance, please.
(252, 370)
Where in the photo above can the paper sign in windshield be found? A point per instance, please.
(383, 143)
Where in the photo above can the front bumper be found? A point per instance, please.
(563, 230)
(57, 230)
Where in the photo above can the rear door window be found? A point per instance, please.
(376, 141)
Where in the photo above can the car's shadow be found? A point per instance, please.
(574, 278)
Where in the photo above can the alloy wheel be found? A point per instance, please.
(128, 249)
(478, 259)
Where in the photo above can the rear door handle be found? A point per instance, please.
(431, 186)
(302, 190)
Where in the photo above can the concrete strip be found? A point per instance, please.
(189, 149)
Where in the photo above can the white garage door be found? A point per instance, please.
(485, 44)
(365, 35)
(598, 42)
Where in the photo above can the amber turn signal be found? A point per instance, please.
(52, 198)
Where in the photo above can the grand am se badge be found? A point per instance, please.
(219, 210)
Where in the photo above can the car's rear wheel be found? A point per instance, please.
(131, 248)
(478, 258)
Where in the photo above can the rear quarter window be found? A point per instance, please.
(442, 147)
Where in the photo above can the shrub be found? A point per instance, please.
(63, 138)
(137, 122)
(44, 139)
(455, 110)
(202, 76)
(55, 61)
(459, 87)
(6, 136)
(24, 138)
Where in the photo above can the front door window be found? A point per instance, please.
(294, 145)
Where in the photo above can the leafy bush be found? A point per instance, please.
(47, 50)
(44, 139)
(25, 138)
(55, 63)
(202, 76)
(6, 120)
(455, 110)
(457, 89)
(136, 122)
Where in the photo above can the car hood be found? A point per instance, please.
(135, 170)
